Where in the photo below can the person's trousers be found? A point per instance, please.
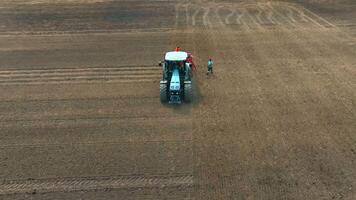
(210, 69)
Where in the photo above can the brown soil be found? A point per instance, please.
(81, 118)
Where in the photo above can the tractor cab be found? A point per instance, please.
(176, 75)
(176, 60)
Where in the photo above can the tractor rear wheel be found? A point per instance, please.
(163, 92)
(188, 92)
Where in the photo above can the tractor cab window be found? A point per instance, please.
(175, 64)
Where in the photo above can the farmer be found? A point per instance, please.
(210, 66)
(190, 61)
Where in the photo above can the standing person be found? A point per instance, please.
(190, 61)
(210, 66)
(178, 49)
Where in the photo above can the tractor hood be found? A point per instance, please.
(176, 56)
(175, 82)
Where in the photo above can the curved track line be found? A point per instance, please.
(308, 17)
(267, 15)
(239, 16)
(195, 15)
(336, 28)
(257, 6)
(257, 25)
(291, 15)
(187, 13)
(183, 6)
(176, 10)
(216, 12)
(286, 19)
(240, 20)
(301, 15)
(231, 14)
(270, 17)
(281, 15)
(297, 14)
(206, 21)
(259, 13)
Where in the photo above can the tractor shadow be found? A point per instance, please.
(184, 107)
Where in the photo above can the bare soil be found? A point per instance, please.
(81, 118)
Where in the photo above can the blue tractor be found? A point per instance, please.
(176, 83)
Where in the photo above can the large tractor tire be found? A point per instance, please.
(188, 92)
(163, 92)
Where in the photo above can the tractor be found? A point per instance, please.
(176, 83)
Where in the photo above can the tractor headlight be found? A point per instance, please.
(175, 87)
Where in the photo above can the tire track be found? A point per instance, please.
(187, 12)
(85, 32)
(84, 115)
(218, 16)
(259, 16)
(206, 20)
(245, 22)
(60, 111)
(256, 24)
(265, 16)
(270, 18)
(196, 12)
(231, 14)
(182, 14)
(290, 15)
(90, 121)
(307, 18)
(76, 75)
(319, 20)
(94, 183)
(96, 143)
(317, 17)
(176, 10)
(239, 17)
(286, 19)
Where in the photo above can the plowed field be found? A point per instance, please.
(80, 116)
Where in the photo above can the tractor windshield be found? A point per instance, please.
(175, 64)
